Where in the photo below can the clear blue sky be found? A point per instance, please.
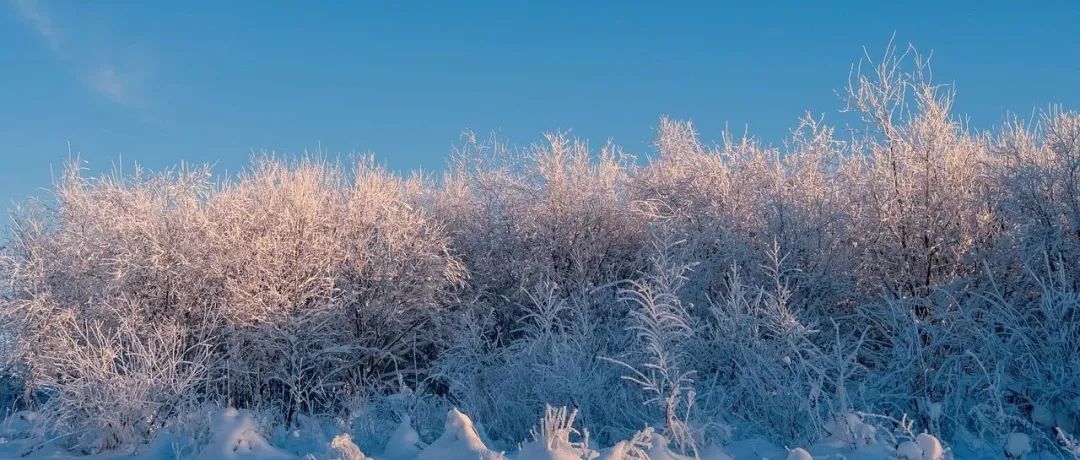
(164, 82)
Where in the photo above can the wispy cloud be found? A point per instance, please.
(108, 82)
(42, 23)
(93, 59)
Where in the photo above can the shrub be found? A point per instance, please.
(919, 271)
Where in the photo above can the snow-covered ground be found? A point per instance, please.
(237, 435)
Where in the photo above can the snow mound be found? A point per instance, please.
(647, 444)
(235, 436)
(715, 452)
(850, 429)
(343, 446)
(909, 450)
(1017, 445)
(799, 453)
(659, 450)
(755, 448)
(538, 451)
(623, 450)
(930, 446)
(551, 440)
(459, 441)
(924, 447)
(404, 442)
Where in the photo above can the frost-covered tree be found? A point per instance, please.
(917, 188)
(293, 285)
(911, 274)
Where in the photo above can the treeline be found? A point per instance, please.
(911, 267)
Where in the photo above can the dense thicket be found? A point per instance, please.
(912, 268)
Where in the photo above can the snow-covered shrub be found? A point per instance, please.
(635, 448)
(658, 360)
(546, 214)
(382, 414)
(554, 359)
(917, 277)
(717, 199)
(916, 181)
(329, 275)
(1035, 189)
(236, 434)
(551, 440)
(1033, 337)
(769, 365)
(731, 203)
(291, 287)
(118, 381)
(982, 363)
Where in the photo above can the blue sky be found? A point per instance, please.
(198, 81)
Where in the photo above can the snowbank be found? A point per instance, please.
(236, 436)
(404, 442)
(459, 441)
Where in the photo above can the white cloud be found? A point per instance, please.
(108, 82)
(94, 67)
(41, 23)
